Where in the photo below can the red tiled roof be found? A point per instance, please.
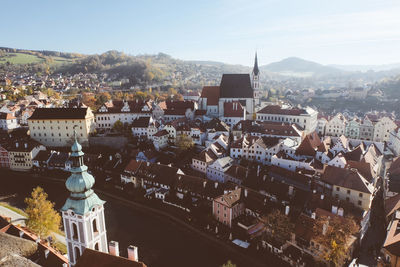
(275, 109)
(94, 258)
(212, 95)
(230, 199)
(132, 166)
(161, 133)
(233, 109)
(392, 204)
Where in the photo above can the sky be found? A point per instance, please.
(362, 32)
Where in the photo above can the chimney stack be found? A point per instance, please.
(113, 247)
(258, 170)
(16, 145)
(287, 209)
(133, 253)
(26, 145)
(290, 190)
(334, 209)
(245, 192)
(340, 212)
(216, 184)
(313, 215)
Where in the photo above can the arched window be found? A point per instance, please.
(77, 253)
(96, 247)
(74, 231)
(94, 224)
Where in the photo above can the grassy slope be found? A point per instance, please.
(22, 58)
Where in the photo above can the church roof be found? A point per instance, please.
(256, 71)
(236, 86)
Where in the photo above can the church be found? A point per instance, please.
(233, 88)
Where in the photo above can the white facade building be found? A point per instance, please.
(305, 118)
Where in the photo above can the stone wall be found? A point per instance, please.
(113, 142)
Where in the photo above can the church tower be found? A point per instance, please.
(83, 211)
(256, 82)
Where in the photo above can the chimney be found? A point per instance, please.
(322, 197)
(341, 212)
(216, 184)
(245, 192)
(287, 209)
(290, 190)
(258, 170)
(26, 145)
(334, 209)
(113, 247)
(313, 215)
(264, 177)
(110, 157)
(133, 253)
(46, 253)
(204, 184)
(16, 145)
(21, 233)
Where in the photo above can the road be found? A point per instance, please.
(19, 219)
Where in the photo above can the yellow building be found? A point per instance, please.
(54, 126)
(22, 153)
(347, 184)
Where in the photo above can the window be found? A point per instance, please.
(348, 192)
(360, 195)
(77, 253)
(74, 231)
(359, 203)
(94, 224)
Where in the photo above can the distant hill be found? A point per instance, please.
(365, 68)
(294, 66)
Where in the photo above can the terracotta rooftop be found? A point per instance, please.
(94, 258)
(212, 95)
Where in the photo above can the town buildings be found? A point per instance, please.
(228, 207)
(305, 118)
(121, 110)
(8, 121)
(53, 126)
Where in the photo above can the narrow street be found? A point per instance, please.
(376, 233)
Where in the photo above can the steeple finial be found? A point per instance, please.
(256, 71)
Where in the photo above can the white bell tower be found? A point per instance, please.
(83, 211)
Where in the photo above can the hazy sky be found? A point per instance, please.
(326, 31)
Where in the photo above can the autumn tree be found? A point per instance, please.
(333, 233)
(118, 126)
(184, 142)
(89, 100)
(279, 225)
(228, 264)
(42, 217)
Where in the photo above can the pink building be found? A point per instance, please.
(227, 207)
